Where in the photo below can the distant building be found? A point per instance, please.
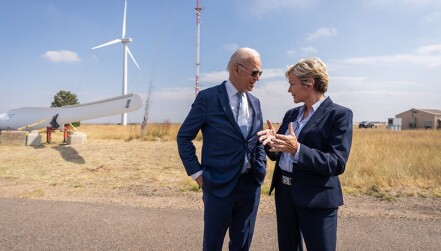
(394, 124)
(420, 118)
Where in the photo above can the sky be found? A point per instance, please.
(383, 56)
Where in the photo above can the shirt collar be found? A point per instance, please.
(231, 90)
(315, 106)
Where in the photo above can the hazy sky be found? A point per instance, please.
(383, 56)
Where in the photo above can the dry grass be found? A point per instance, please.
(133, 172)
(166, 131)
(119, 164)
(399, 162)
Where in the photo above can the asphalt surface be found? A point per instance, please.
(55, 225)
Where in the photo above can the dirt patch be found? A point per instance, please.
(147, 174)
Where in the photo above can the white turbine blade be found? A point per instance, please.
(124, 20)
(134, 61)
(108, 43)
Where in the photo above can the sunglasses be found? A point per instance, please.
(254, 73)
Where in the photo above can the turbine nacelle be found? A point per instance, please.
(126, 40)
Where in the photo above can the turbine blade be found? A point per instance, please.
(124, 20)
(134, 61)
(108, 43)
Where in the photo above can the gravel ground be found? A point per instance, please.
(364, 224)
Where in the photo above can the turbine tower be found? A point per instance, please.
(198, 10)
(124, 41)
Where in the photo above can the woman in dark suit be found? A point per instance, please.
(311, 148)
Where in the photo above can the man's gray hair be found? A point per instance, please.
(241, 55)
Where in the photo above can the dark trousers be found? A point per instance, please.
(236, 212)
(317, 226)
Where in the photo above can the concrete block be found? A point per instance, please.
(77, 138)
(33, 139)
(13, 138)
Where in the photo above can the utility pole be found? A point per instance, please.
(198, 44)
(146, 111)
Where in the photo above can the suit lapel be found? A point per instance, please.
(226, 107)
(318, 115)
(291, 117)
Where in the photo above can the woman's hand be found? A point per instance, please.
(267, 135)
(285, 143)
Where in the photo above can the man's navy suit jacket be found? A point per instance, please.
(224, 146)
(325, 145)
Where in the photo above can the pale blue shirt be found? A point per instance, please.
(287, 159)
(234, 102)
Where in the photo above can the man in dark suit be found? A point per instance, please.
(233, 162)
(311, 149)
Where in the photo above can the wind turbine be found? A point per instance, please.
(124, 41)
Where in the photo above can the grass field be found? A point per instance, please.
(385, 164)
(382, 162)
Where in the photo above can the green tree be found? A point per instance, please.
(63, 98)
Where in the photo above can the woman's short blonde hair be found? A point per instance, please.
(312, 68)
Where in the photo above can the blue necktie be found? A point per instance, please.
(242, 114)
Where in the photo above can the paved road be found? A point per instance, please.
(54, 225)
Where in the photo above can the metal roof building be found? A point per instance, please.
(420, 118)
